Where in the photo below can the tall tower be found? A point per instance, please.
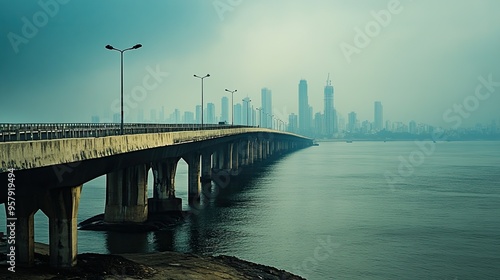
(224, 116)
(329, 111)
(210, 113)
(304, 112)
(267, 108)
(379, 119)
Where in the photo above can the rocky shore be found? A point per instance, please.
(161, 265)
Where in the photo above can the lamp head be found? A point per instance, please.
(137, 46)
(109, 47)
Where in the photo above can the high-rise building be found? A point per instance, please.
(304, 109)
(254, 116)
(267, 108)
(161, 117)
(116, 118)
(319, 124)
(237, 114)
(329, 113)
(198, 114)
(292, 123)
(95, 119)
(188, 117)
(351, 123)
(224, 116)
(379, 120)
(175, 117)
(246, 114)
(211, 113)
(412, 126)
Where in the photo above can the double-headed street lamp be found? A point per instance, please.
(247, 100)
(232, 104)
(206, 76)
(109, 47)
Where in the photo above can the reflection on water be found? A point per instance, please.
(442, 223)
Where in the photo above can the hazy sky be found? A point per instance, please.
(419, 62)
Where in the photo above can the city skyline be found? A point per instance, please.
(408, 64)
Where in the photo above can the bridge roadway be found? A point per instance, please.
(51, 162)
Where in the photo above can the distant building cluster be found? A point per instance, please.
(324, 124)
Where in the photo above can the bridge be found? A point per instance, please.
(44, 166)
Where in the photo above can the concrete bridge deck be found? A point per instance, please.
(50, 172)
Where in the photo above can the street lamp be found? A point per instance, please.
(206, 76)
(260, 116)
(109, 47)
(232, 104)
(247, 100)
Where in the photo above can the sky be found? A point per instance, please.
(422, 59)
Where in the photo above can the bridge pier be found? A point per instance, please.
(206, 166)
(61, 206)
(234, 157)
(126, 195)
(227, 164)
(26, 208)
(164, 187)
(194, 187)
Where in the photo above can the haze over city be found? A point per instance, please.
(420, 60)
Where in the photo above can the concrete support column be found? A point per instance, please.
(61, 206)
(265, 154)
(244, 152)
(250, 152)
(206, 166)
(26, 208)
(215, 160)
(194, 187)
(258, 150)
(164, 187)
(126, 195)
(222, 157)
(234, 156)
(228, 151)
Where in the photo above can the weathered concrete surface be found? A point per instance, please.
(32, 154)
(48, 164)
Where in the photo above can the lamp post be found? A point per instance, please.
(206, 76)
(270, 116)
(260, 116)
(232, 104)
(247, 100)
(109, 47)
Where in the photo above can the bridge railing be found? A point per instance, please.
(45, 131)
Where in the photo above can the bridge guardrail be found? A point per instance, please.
(46, 131)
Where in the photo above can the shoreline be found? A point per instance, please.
(154, 265)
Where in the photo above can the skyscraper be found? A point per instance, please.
(188, 117)
(379, 120)
(224, 116)
(210, 113)
(304, 112)
(198, 114)
(292, 122)
(237, 114)
(267, 108)
(351, 125)
(329, 113)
